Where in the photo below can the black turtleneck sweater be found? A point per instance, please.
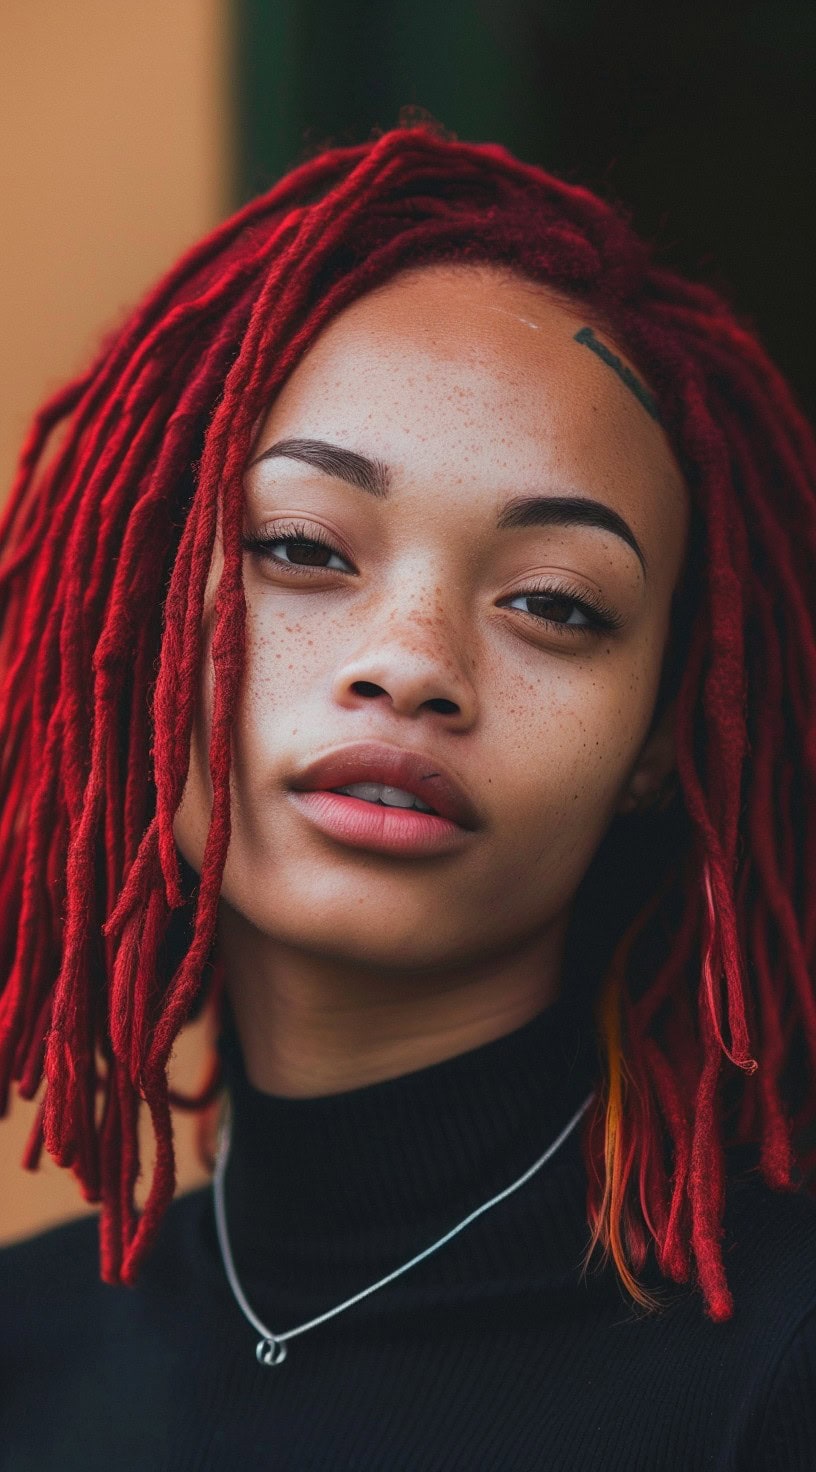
(492, 1353)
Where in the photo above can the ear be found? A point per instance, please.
(652, 780)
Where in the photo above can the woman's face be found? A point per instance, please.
(517, 650)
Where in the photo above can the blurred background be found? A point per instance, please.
(128, 130)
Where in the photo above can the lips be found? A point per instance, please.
(367, 761)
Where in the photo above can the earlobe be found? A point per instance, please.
(652, 782)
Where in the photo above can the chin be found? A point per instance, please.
(357, 926)
(359, 942)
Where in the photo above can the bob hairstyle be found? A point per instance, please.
(703, 958)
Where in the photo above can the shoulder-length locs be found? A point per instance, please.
(706, 1008)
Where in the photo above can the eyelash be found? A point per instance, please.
(601, 618)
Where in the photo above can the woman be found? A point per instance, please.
(417, 485)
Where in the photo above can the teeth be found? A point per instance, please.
(392, 797)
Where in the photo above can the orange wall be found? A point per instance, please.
(114, 156)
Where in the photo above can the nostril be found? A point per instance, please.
(436, 702)
(365, 687)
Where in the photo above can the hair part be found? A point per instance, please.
(705, 1006)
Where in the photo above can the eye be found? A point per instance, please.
(557, 605)
(554, 605)
(304, 549)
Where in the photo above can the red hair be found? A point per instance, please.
(105, 548)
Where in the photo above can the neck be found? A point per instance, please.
(314, 1025)
(326, 1193)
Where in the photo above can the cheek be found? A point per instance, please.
(282, 706)
(285, 671)
(567, 742)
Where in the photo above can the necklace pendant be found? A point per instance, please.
(270, 1352)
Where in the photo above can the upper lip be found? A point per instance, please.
(413, 771)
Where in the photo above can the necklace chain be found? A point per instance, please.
(272, 1348)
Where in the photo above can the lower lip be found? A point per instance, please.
(386, 830)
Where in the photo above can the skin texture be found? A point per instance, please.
(346, 966)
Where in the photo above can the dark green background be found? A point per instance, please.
(698, 117)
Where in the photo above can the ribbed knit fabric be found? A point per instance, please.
(492, 1353)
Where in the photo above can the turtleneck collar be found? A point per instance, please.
(333, 1182)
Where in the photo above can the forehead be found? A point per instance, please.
(474, 378)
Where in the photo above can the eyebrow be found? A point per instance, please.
(374, 477)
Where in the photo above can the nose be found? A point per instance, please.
(419, 665)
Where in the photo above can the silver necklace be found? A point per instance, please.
(271, 1348)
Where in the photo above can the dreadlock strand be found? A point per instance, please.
(608, 1220)
(775, 1151)
(672, 1251)
(716, 882)
(722, 945)
(227, 657)
(164, 1178)
(24, 976)
(706, 1179)
(110, 1152)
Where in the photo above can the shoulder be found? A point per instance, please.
(44, 1278)
(50, 1268)
(769, 1254)
(80, 1359)
(787, 1433)
(769, 1244)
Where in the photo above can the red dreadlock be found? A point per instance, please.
(106, 550)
